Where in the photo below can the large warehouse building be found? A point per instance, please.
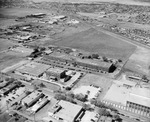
(134, 99)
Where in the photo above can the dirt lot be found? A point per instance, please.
(98, 42)
(5, 44)
(139, 61)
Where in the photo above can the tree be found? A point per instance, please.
(60, 97)
(119, 60)
(86, 106)
(81, 97)
(96, 56)
(105, 59)
(42, 85)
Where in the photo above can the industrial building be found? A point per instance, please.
(86, 63)
(66, 111)
(56, 72)
(33, 69)
(135, 99)
(32, 98)
(139, 100)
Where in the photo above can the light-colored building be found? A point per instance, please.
(66, 111)
(38, 105)
(135, 99)
(90, 117)
(32, 98)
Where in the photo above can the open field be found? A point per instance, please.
(139, 61)
(5, 44)
(9, 58)
(98, 42)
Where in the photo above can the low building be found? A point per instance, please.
(33, 69)
(86, 63)
(90, 117)
(66, 111)
(135, 99)
(32, 98)
(56, 72)
(38, 105)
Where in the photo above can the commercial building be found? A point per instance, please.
(33, 69)
(38, 105)
(86, 63)
(32, 98)
(56, 72)
(66, 111)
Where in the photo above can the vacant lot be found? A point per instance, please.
(98, 42)
(9, 58)
(5, 44)
(139, 61)
(97, 80)
(50, 86)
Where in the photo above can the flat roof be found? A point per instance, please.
(56, 70)
(89, 116)
(120, 94)
(68, 111)
(33, 68)
(140, 96)
(31, 97)
(39, 104)
(87, 61)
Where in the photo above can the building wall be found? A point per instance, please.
(107, 69)
(137, 108)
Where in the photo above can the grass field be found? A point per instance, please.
(5, 44)
(98, 42)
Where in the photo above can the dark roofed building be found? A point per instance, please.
(86, 63)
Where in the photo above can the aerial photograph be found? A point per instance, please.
(74, 60)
